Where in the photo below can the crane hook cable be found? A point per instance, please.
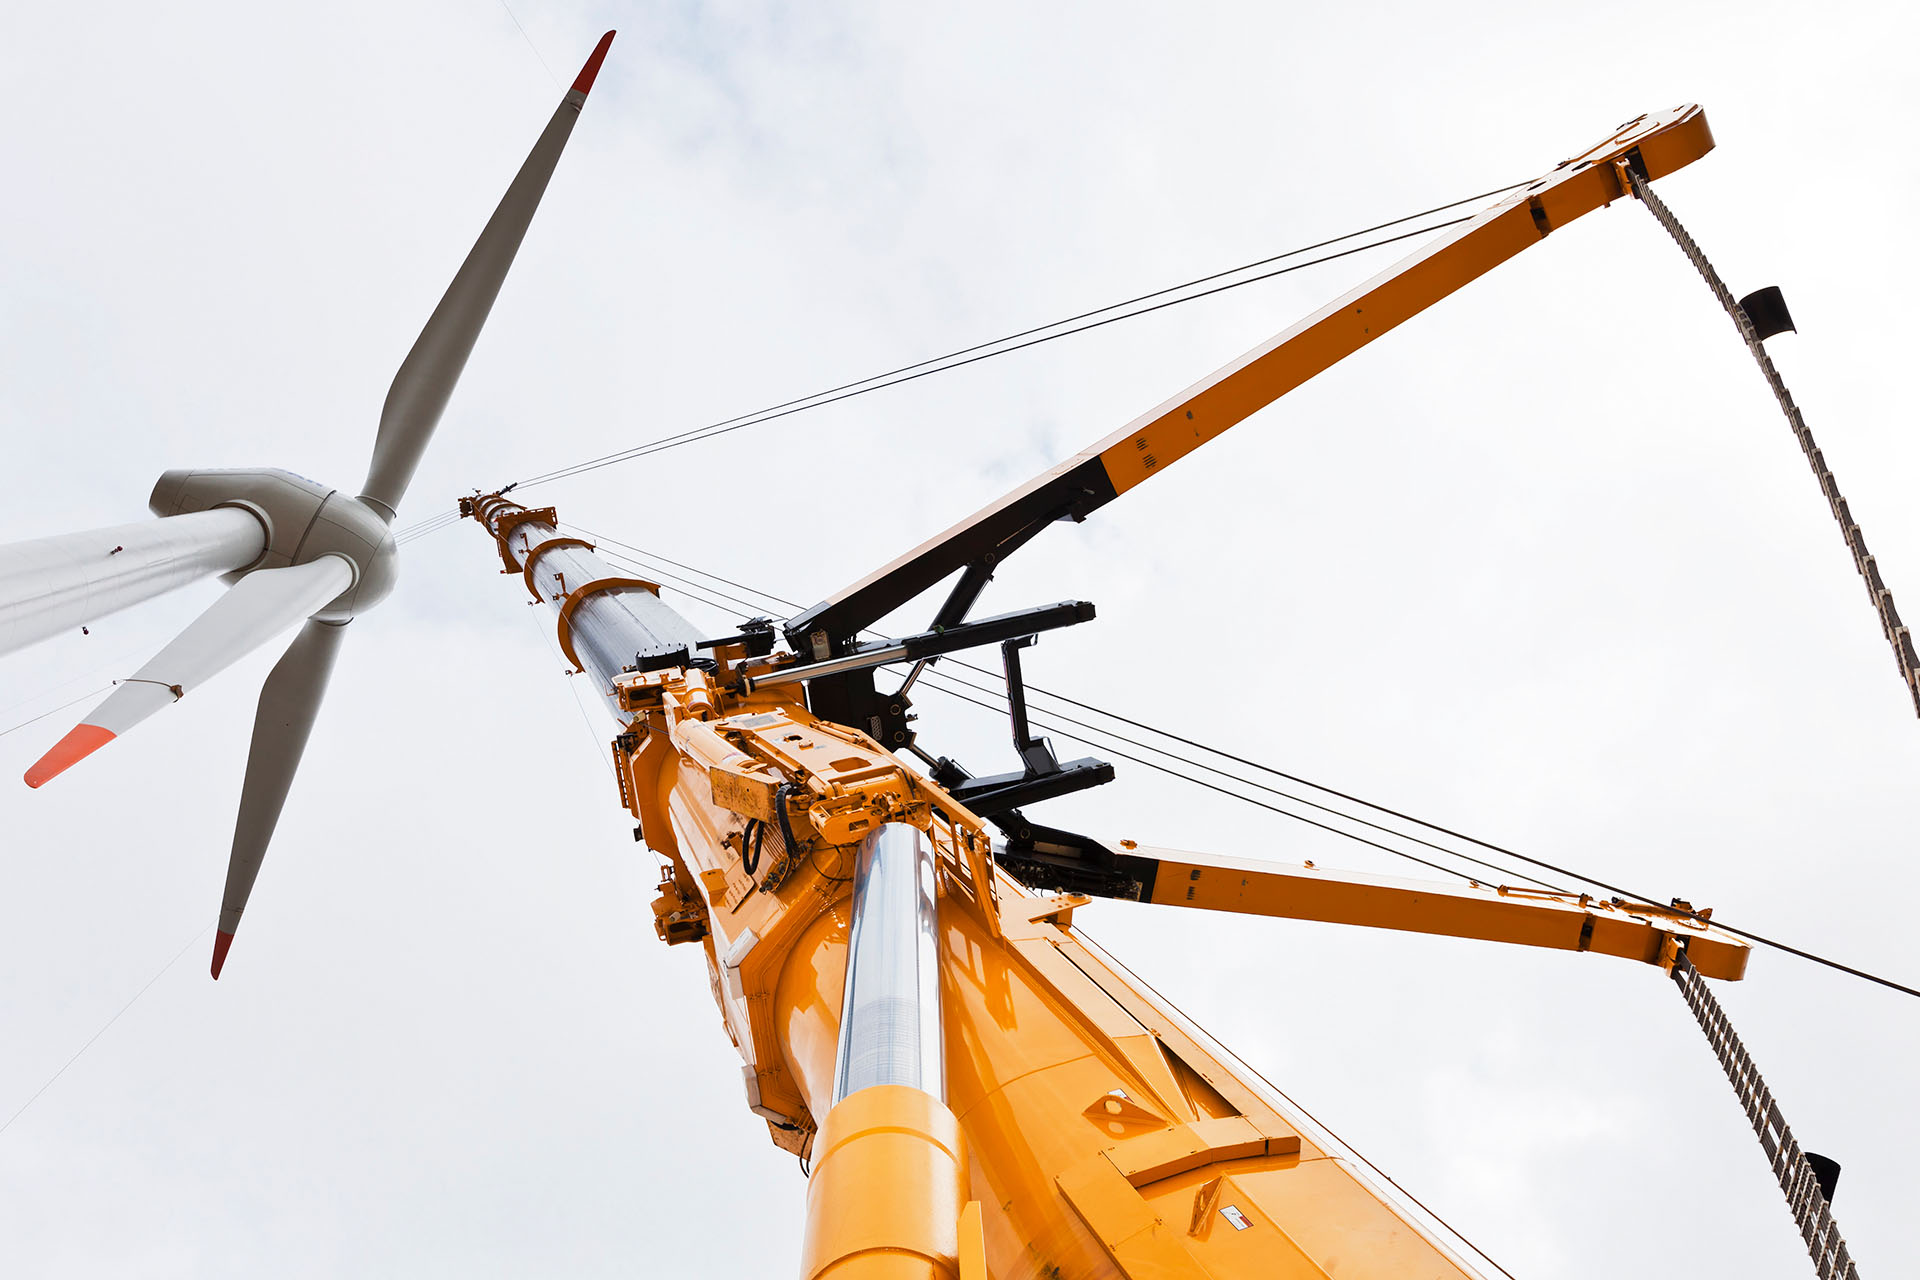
(1896, 632)
(1806, 1198)
(1626, 894)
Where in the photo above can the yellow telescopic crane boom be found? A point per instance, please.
(982, 1093)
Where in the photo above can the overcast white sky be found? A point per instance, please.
(1545, 565)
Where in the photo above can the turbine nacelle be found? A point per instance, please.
(302, 520)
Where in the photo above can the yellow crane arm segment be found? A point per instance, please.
(1652, 146)
(1494, 913)
(1655, 144)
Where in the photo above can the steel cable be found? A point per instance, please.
(1024, 338)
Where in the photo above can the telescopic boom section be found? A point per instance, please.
(608, 623)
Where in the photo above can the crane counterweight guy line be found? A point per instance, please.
(981, 350)
(1068, 733)
(1201, 782)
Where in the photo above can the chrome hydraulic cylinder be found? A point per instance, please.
(890, 1022)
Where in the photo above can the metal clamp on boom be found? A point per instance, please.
(929, 644)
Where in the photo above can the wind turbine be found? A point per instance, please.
(290, 547)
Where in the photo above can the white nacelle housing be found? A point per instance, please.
(304, 520)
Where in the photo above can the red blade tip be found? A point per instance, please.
(583, 83)
(81, 741)
(221, 941)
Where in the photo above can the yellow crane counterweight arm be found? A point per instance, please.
(1640, 931)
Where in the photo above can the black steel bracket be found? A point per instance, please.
(1043, 857)
(1041, 777)
(841, 689)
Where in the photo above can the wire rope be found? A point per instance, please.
(985, 350)
(728, 426)
(1033, 336)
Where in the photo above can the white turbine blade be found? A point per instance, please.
(427, 376)
(57, 584)
(257, 608)
(289, 701)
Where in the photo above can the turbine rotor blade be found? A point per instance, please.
(426, 379)
(252, 612)
(289, 702)
(57, 584)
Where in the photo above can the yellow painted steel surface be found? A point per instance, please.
(1107, 1139)
(1664, 141)
(1093, 1124)
(1610, 927)
(882, 1149)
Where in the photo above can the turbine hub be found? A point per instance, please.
(303, 520)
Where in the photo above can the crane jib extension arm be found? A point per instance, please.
(983, 1094)
(1642, 931)
(1651, 146)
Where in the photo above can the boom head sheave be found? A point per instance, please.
(316, 555)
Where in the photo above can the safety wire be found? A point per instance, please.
(92, 693)
(106, 1026)
(953, 685)
(94, 673)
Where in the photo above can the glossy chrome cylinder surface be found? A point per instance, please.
(890, 1025)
